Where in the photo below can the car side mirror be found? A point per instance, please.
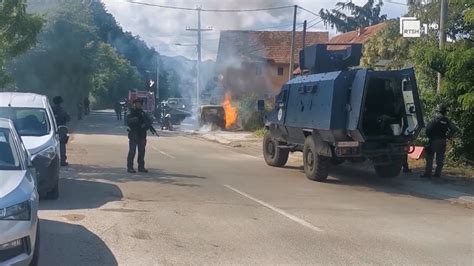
(30, 161)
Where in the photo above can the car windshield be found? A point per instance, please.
(8, 152)
(28, 121)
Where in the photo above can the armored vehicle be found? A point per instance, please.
(177, 110)
(338, 112)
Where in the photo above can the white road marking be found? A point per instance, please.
(167, 155)
(252, 156)
(277, 210)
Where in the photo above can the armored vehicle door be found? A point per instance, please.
(281, 105)
(412, 103)
(277, 117)
(355, 106)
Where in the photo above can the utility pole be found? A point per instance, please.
(198, 81)
(157, 93)
(442, 33)
(292, 49)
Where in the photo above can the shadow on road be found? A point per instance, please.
(71, 244)
(119, 174)
(82, 194)
(90, 186)
(363, 175)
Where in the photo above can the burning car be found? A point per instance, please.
(213, 115)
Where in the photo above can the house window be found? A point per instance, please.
(280, 71)
(258, 69)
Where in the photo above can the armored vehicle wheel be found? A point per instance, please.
(390, 170)
(273, 155)
(316, 167)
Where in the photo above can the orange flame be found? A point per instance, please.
(230, 111)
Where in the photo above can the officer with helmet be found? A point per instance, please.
(438, 130)
(62, 117)
(138, 123)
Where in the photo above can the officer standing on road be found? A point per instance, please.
(80, 110)
(438, 130)
(118, 110)
(62, 117)
(87, 107)
(138, 123)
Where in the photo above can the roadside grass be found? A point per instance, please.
(456, 173)
(260, 132)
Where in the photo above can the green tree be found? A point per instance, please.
(18, 32)
(455, 63)
(459, 24)
(360, 16)
(61, 62)
(113, 78)
(72, 61)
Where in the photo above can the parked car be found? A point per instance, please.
(19, 224)
(34, 121)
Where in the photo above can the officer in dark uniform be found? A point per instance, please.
(438, 130)
(138, 123)
(62, 117)
(87, 107)
(118, 110)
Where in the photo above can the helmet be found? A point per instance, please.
(441, 108)
(58, 100)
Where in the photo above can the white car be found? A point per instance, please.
(19, 226)
(34, 120)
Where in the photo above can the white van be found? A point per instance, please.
(34, 121)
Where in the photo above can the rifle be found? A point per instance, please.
(153, 131)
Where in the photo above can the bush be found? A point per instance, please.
(260, 132)
(250, 118)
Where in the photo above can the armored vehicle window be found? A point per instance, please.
(282, 96)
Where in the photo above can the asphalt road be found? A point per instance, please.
(205, 203)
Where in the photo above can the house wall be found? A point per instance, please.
(260, 78)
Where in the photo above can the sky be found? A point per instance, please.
(162, 28)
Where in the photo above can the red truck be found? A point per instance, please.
(148, 99)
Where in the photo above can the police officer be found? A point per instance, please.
(80, 110)
(62, 117)
(118, 110)
(438, 130)
(87, 107)
(138, 123)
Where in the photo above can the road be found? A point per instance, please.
(205, 203)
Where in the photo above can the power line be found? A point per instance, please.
(321, 20)
(309, 22)
(162, 6)
(209, 10)
(309, 11)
